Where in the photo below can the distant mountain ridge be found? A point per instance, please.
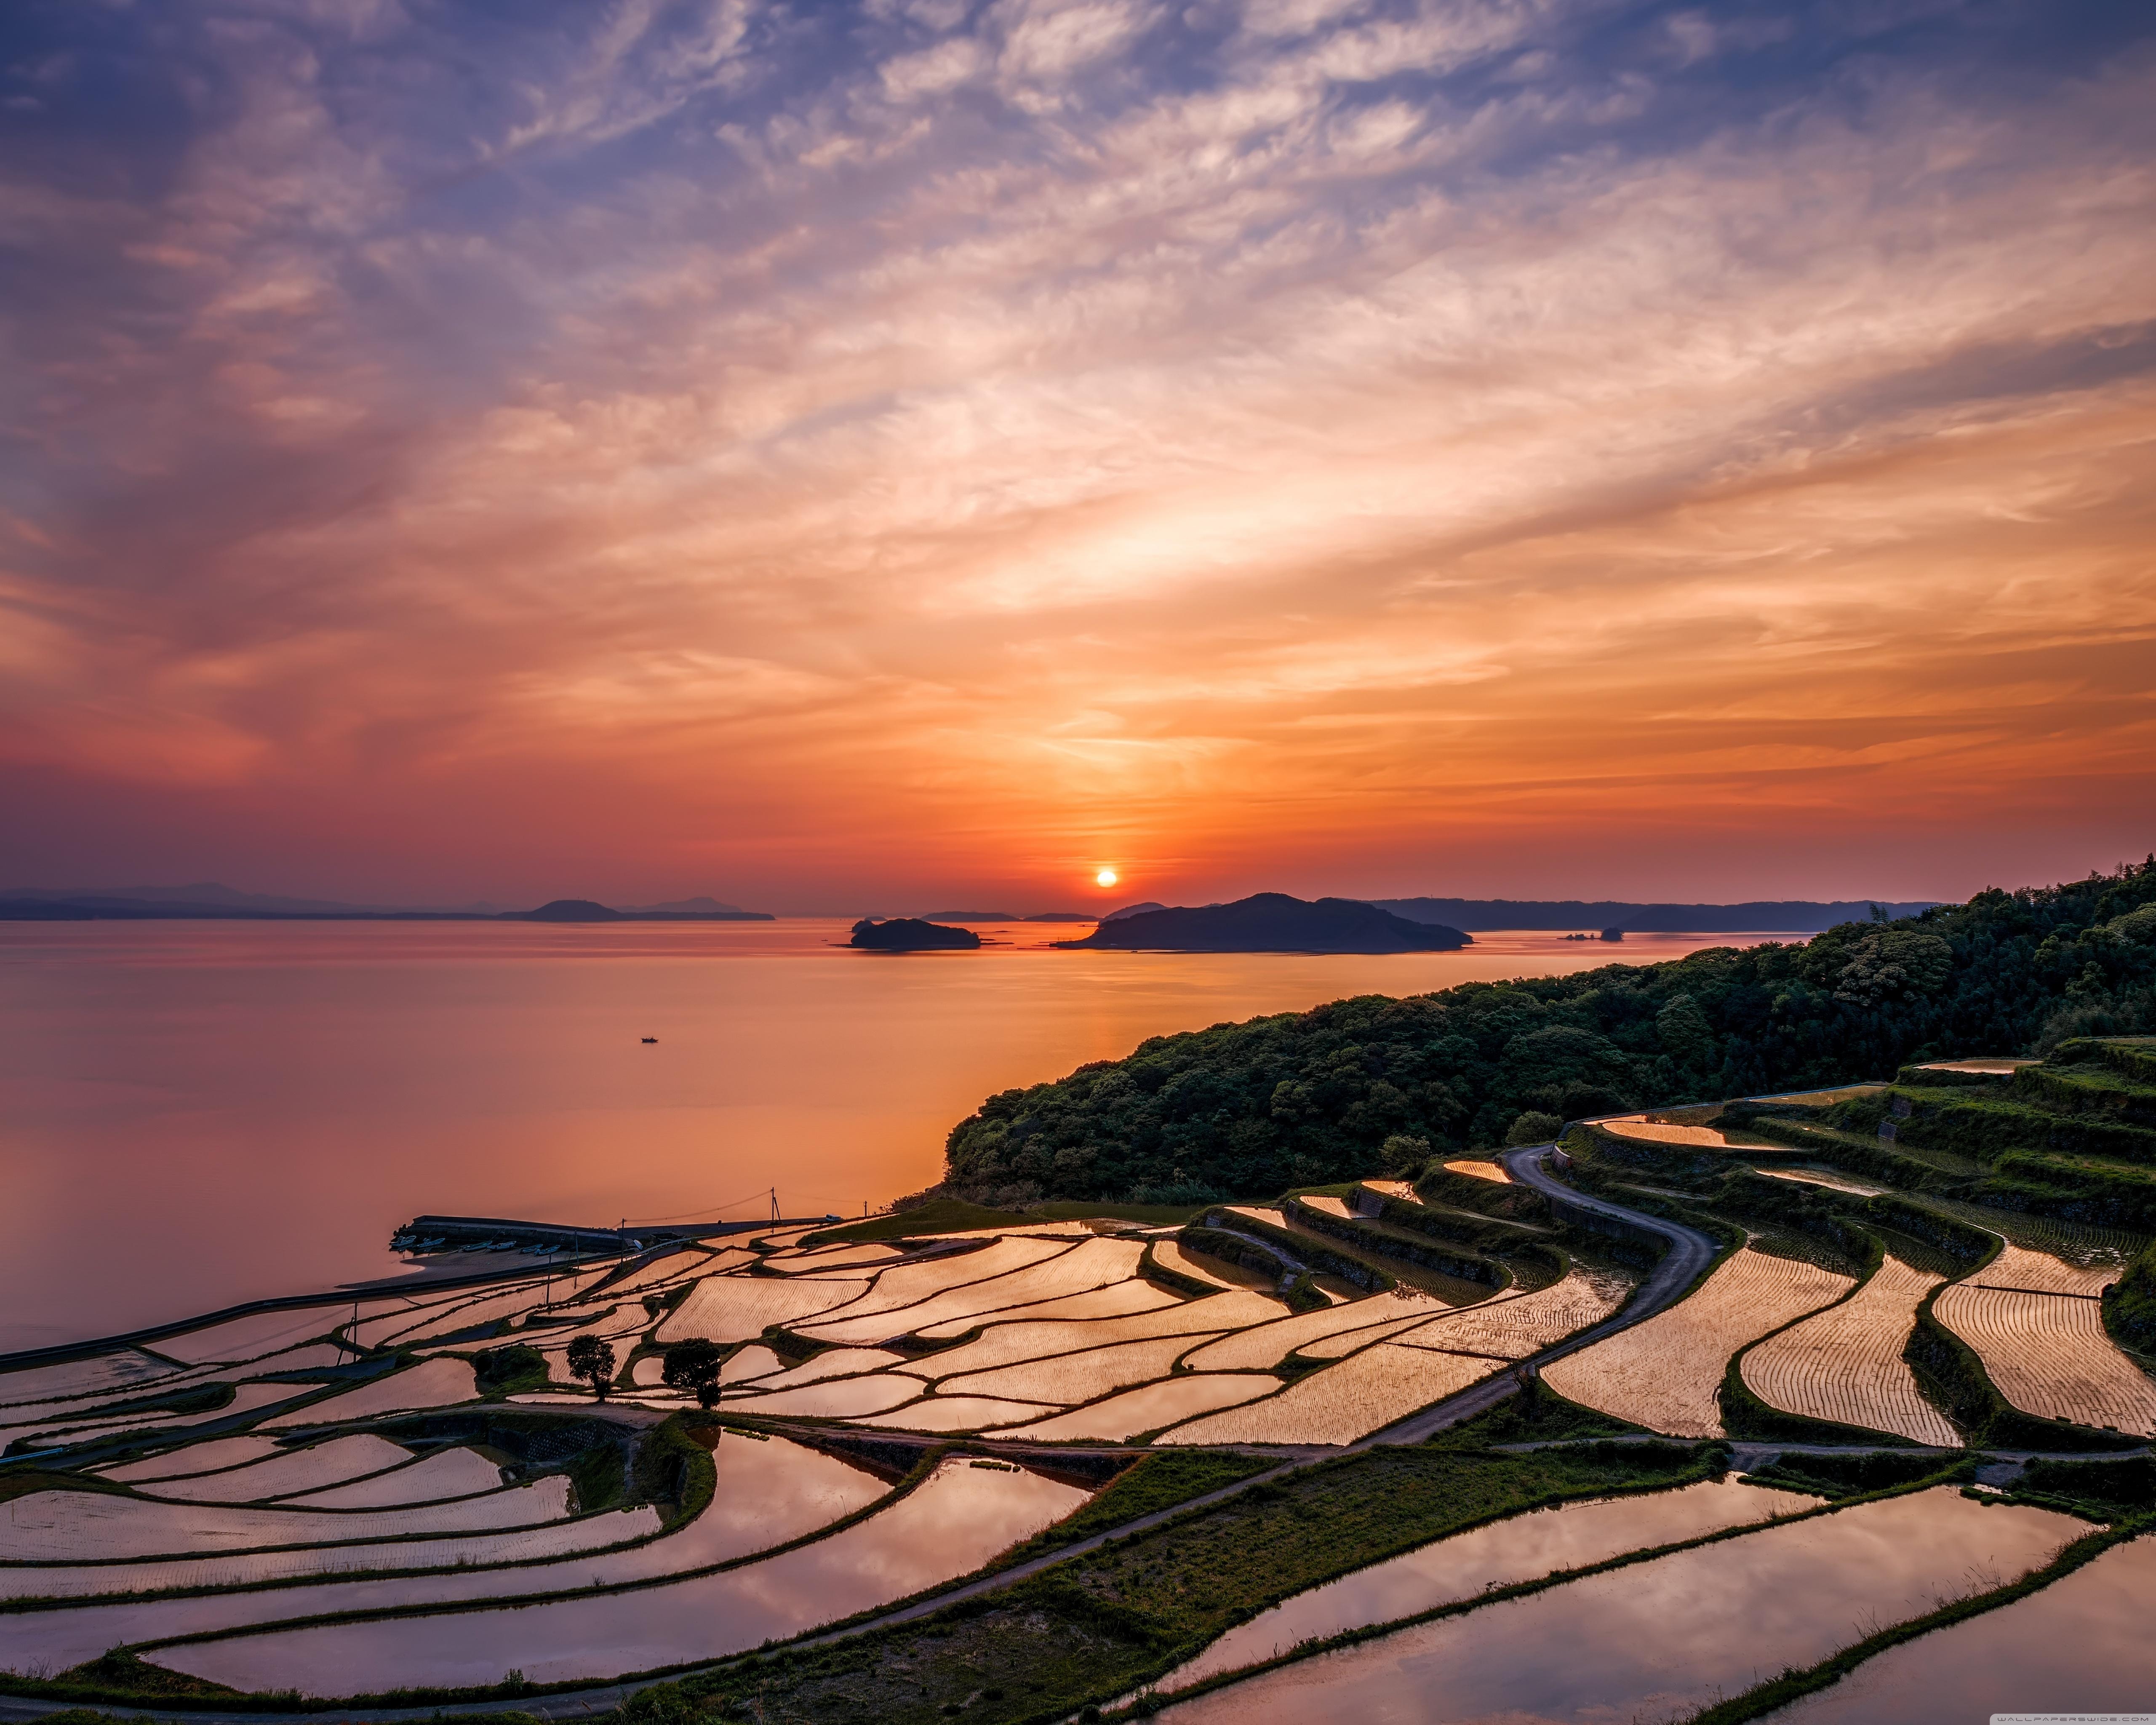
(207, 901)
(1758, 916)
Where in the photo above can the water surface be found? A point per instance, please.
(1519, 1548)
(1662, 1639)
(2081, 1646)
(192, 1114)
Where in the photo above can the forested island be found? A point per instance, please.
(1248, 1109)
(910, 934)
(1271, 922)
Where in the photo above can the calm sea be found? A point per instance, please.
(192, 1114)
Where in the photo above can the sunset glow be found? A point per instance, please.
(831, 455)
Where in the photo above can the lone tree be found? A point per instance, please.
(694, 1365)
(593, 1360)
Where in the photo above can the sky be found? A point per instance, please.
(921, 452)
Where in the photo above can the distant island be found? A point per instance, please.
(1759, 916)
(910, 934)
(1006, 916)
(1271, 922)
(209, 901)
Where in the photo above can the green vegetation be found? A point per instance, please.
(1303, 1098)
(2098, 1491)
(1853, 1476)
(1374, 1243)
(1159, 1480)
(695, 1365)
(2130, 1313)
(510, 1370)
(1296, 1247)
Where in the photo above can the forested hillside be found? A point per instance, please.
(1241, 1110)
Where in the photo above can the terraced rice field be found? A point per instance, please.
(1845, 1365)
(446, 1473)
(73, 1581)
(1663, 1639)
(1122, 1299)
(1521, 1324)
(211, 1454)
(1075, 1376)
(1385, 1381)
(431, 1384)
(1665, 1373)
(1480, 1171)
(2040, 1273)
(1262, 1347)
(246, 1399)
(776, 1493)
(1522, 1547)
(247, 1339)
(1172, 1256)
(958, 1412)
(838, 1399)
(108, 1375)
(736, 1308)
(958, 1519)
(832, 1363)
(911, 1284)
(1813, 1176)
(93, 1527)
(1080, 1268)
(2076, 1649)
(2109, 1248)
(1005, 1344)
(823, 1260)
(1149, 1408)
(2037, 1324)
(275, 1475)
(1659, 1132)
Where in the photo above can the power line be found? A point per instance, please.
(691, 1215)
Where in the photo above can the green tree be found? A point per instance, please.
(593, 1360)
(694, 1365)
(1685, 1032)
(1533, 1128)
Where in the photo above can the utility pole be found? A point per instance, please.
(774, 1204)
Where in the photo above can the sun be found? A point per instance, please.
(1106, 877)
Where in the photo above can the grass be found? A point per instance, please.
(1159, 1481)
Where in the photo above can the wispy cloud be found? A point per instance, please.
(1340, 444)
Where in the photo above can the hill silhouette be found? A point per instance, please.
(1273, 922)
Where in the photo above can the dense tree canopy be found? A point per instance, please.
(1241, 1110)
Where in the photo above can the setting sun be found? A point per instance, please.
(1106, 877)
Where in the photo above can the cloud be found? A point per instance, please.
(1248, 431)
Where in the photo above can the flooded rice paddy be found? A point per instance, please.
(773, 1492)
(955, 1520)
(2081, 1645)
(1664, 1637)
(1520, 1548)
